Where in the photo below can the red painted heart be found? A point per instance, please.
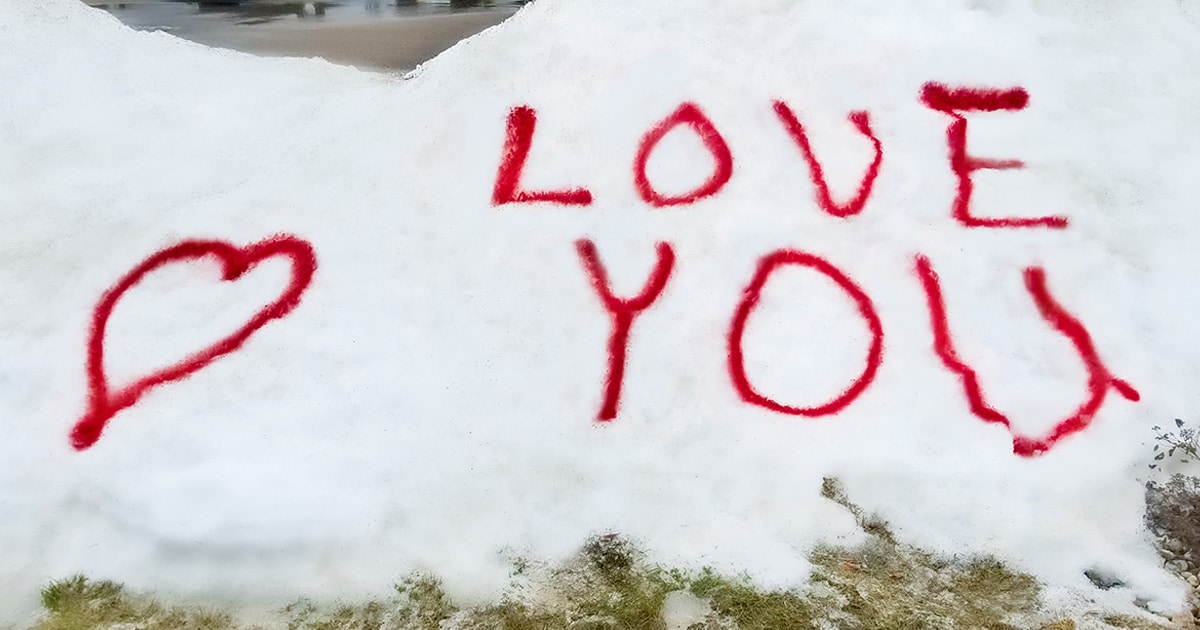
(104, 404)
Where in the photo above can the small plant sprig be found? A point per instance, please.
(1185, 440)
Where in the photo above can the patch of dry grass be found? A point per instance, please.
(882, 584)
(78, 603)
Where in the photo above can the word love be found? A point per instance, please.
(623, 311)
(954, 102)
(104, 402)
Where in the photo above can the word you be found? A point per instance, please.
(954, 102)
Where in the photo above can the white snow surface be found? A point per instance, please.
(431, 401)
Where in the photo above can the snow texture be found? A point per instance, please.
(431, 401)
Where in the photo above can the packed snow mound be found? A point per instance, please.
(656, 270)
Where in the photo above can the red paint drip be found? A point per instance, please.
(737, 368)
(687, 114)
(862, 122)
(519, 138)
(951, 101)
(1100, 379)
(622, 311)
(103, 404)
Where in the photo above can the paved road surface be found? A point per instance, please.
(369, 35)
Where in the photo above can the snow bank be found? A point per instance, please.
(430, 397)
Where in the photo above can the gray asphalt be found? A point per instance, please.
(362, 33)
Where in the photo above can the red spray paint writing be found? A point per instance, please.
(951, 101)
(104, 401)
